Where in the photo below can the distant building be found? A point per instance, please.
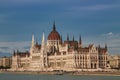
(114, 61)
(5, 62)
(56, 54)
(1, 61)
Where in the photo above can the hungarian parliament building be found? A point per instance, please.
(56, 54)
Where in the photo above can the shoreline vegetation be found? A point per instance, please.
(100, 73)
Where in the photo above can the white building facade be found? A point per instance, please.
(56, 54)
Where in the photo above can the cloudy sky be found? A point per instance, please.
(98, 22)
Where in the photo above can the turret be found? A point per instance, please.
(80, 41)
(32, 45)
(36, 42)
(54, 28)
(13, 52)
(43, 44)
(43, 40)
(99, 48)
(67, 37)
(33, 42)
(61, 40)
(106, 46)
(73, 38)
(43, 52)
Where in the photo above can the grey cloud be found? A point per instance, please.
(8, 47)
(4, 47)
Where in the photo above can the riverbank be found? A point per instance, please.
(97, 73)
(117, 73)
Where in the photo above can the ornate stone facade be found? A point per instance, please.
(56, 54)
(20, 60)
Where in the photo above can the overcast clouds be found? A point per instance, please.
(97, 21)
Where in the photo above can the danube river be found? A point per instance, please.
(12, 76)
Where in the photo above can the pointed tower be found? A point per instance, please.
(106, 46)
(33, 42)
(43, 41)
(73, 38)
(99, 46)
(43, 53)
(67, 37)
(43, 50)
(61, 40)
(17, 51)
(80, 41)
(32, 46)
(54, 28)
(36, 42)
(13, 52)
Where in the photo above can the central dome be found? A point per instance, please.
(54, 35)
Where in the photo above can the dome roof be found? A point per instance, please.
(54, 35)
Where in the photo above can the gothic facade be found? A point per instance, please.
(56, 54)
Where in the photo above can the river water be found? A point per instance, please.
(11, 76)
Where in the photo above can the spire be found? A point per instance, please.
(106, 46)
(61, 39)
(36, 42)
(33, 42)
(80, 40)
(17, 51)
(54, 28)
(73, 37)
(99, 46)
(13, 52)
(67, 37)
(43, 40)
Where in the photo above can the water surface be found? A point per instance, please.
(11, 76)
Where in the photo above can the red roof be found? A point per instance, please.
(71, 43)
(86, 49)
(102, 50)
(38, 46)
(54, 35)
(22, 54)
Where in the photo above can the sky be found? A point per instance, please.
(97, 21)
